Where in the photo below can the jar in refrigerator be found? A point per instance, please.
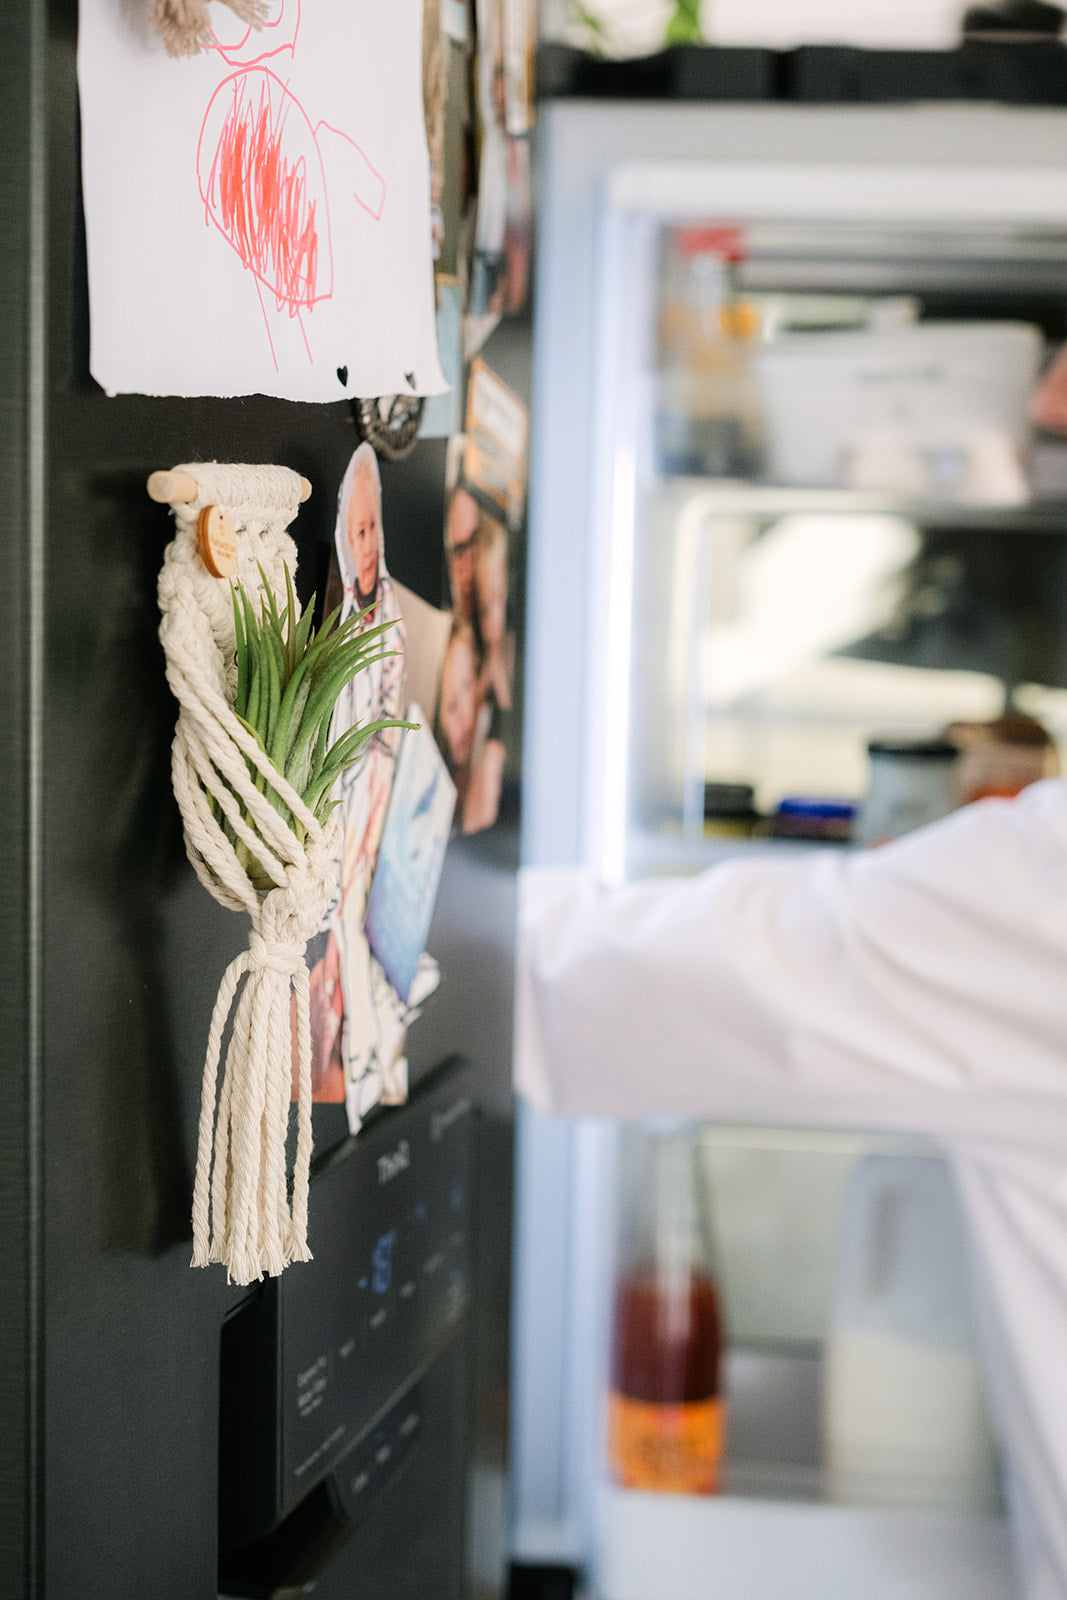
(709, 409)
(999, 759)
(814, 820)
(904, 1408)
(666, 1412)
(911, 782)
(730, 810)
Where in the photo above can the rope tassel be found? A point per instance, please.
(243, 1216)
(241, 1211)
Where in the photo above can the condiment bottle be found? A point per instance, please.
(666, 1426)
(709, 414)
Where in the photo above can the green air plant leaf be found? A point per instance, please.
(289, 678)
(684, 26)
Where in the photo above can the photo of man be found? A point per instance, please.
(376, 691)
(337, 957)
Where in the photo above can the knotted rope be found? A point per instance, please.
(241, 1211)
(185, 25)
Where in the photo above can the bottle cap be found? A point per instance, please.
(727, 242)
(830, 810)
(729, 799)
(913, 749)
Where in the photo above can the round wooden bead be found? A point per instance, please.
(217, 542)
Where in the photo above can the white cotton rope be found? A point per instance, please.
(242, 1215)
(185, 25)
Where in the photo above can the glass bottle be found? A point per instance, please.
(709, 412)
(666, 1413)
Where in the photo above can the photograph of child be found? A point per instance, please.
(491, 609)
(476, 679)
(502, 235)
(447, 30)
(410, 859)
(461, 527)
(458, 715)
(323, 957)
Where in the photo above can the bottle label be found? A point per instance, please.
(676, 1449)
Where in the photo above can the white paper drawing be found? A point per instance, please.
(258, 216)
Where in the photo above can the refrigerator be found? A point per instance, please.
(758, 546)
(135, 1389)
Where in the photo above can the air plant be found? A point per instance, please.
(684, 27)
(289, 678)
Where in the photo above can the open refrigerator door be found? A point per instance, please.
(790, 522)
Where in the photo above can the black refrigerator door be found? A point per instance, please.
(113, 951)
(346, 1385)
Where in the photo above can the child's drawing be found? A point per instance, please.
(258, 214)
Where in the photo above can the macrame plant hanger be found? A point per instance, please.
(242, 1213)
(185, 25)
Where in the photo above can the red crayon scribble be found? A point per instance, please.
(262, 180)
(265, 189)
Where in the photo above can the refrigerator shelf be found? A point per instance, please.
(650, 1546)
(767, 503)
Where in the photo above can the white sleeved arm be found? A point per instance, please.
(865, 988)
(921, 987)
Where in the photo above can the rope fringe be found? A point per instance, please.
(185, 25)
(242, 1214)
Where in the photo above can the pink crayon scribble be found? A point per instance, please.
(274, 38)
(367, 184)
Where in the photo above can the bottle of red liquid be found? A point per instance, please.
(666, 1413)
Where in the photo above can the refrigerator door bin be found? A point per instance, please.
(801, 1261)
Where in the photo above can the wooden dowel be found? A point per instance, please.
(166, 487)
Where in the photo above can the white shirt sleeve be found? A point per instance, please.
(918, 987)
(865, 988)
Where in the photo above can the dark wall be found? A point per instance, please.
(113, 947)
(21, 534)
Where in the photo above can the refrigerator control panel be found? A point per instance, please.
(313, 1363)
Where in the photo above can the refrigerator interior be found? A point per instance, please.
(886, 562)
(801, 1503)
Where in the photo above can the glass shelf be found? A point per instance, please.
(767, 503)
(754, 1548)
